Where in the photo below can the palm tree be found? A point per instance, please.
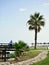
(35, 22)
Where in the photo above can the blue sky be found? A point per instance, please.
(14, 15)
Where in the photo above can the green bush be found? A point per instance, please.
(20, 47)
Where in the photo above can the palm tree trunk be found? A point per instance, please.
(35, 38)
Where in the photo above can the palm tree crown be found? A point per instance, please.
(36, 21)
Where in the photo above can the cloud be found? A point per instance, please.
(22, 9)
(46, 4)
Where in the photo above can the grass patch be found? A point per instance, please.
(26, 55)
(29, 54)
(43, 62)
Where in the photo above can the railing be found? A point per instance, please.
(3, 51)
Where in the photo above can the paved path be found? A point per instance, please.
(40, 57)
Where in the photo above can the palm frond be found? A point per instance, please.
(31, 28)
(40, 18)
(42, 23)
(30, 22)
(32, 17)
(36, 15)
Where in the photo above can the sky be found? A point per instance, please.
(14, 15)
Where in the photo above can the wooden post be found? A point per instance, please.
(5, 54)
